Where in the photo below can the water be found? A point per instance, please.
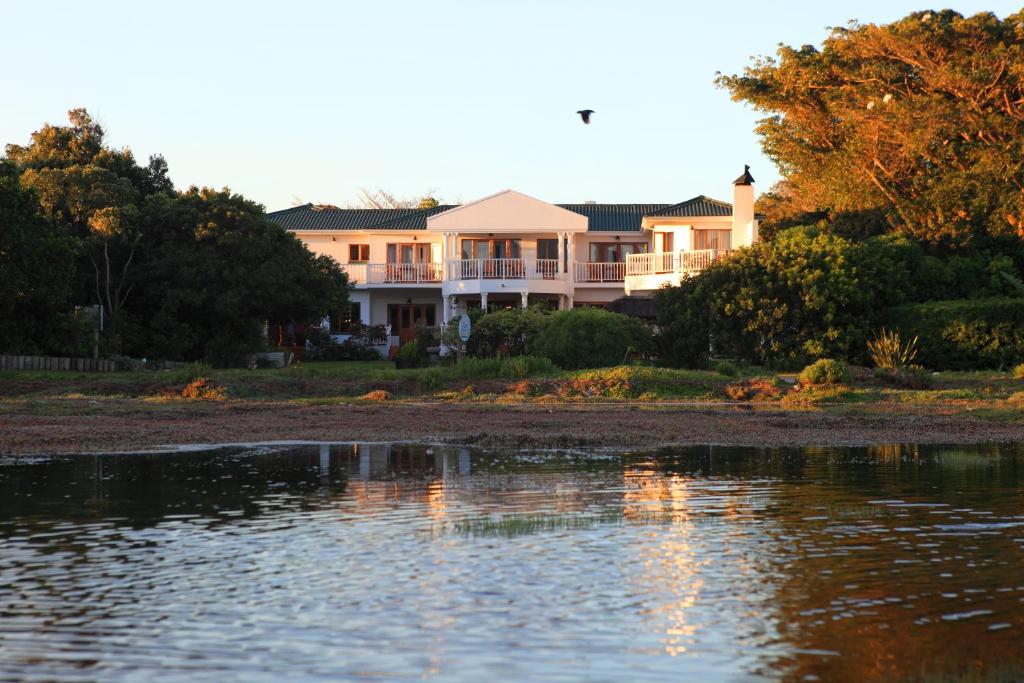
(406, 563)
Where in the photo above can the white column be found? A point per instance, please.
(526, 298)
(483, 301)
(561, 250)
(447, 309)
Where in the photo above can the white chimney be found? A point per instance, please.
(744, 226)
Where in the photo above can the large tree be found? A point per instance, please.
(37, 267)
(215, 270)
(921, 120)
(95, 191)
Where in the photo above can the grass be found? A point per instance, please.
(995, 395)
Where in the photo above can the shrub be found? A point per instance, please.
(910, 377)
(968, 334)
(804, 295)
(724, 367)
(359, 346)
(591, 338)
(509, 332)
(888, 351)
(413, 354)
(825, 371)
(1018, 371)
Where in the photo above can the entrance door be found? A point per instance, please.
(405, 318)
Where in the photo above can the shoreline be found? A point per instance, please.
(76, 426)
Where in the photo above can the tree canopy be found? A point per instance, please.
(182, 275)
(920, 121)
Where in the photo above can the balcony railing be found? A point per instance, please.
(393, 273)
(504, 269)
(673, 262)
(600, 272)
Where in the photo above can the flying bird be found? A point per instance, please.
(585, 115)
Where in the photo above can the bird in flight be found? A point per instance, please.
(585, 115)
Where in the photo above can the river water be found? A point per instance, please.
(398, 562)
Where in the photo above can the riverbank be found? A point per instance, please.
(518, 402)
(78, 425)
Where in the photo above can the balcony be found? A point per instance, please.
(600, 273)
(394, 273)
(496, 275)
(645, 272)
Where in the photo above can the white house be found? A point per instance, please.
(412, 267)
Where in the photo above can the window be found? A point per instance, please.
(615, 252)
(343, 320)
(488, 249)
(712, 239)
(547, 249)
(358, 253)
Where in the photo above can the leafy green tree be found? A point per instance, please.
(805, 295)
(37, 267)
(921, 120)
(94, 191)
(216, 270)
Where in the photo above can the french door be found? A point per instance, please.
(405, 318)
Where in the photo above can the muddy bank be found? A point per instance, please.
(127, 424)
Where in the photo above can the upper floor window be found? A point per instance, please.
(358, 252)
(547, 249)
(615, 252)
(712, 239)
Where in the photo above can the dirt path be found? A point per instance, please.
(129, 424)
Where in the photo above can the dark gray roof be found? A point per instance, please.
(698, 206)
(613, 217)
(600, 217)
(319, 217)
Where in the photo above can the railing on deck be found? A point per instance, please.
(393, 273)
(504, 269)
(600, 272)
(673, 262)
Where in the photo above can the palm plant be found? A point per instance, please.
(888, 351)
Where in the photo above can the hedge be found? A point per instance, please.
(966, 334)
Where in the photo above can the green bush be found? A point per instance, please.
(508, 332)
(968, 334)
(807, 294)
(591, 338)
(908, 377)
(413, 353)
(889, 352)
(724, 367)
(825, 371)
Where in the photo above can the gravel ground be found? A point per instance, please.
(131, 424)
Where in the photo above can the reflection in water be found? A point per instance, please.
(406, 562)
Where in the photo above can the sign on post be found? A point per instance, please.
(465, 327)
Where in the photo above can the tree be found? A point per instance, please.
(382, 199)
(37, 266)
(96, 192)
(215, 270)
(921, 120)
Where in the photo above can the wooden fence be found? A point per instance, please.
(9, 362)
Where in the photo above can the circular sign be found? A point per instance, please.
(465, 327)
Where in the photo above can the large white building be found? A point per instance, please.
(412, 267)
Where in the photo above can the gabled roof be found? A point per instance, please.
(508, 210)
(698, 207)
(318, 217)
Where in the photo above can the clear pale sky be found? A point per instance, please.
(287, 101)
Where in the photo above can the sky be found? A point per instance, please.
(293, 102)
